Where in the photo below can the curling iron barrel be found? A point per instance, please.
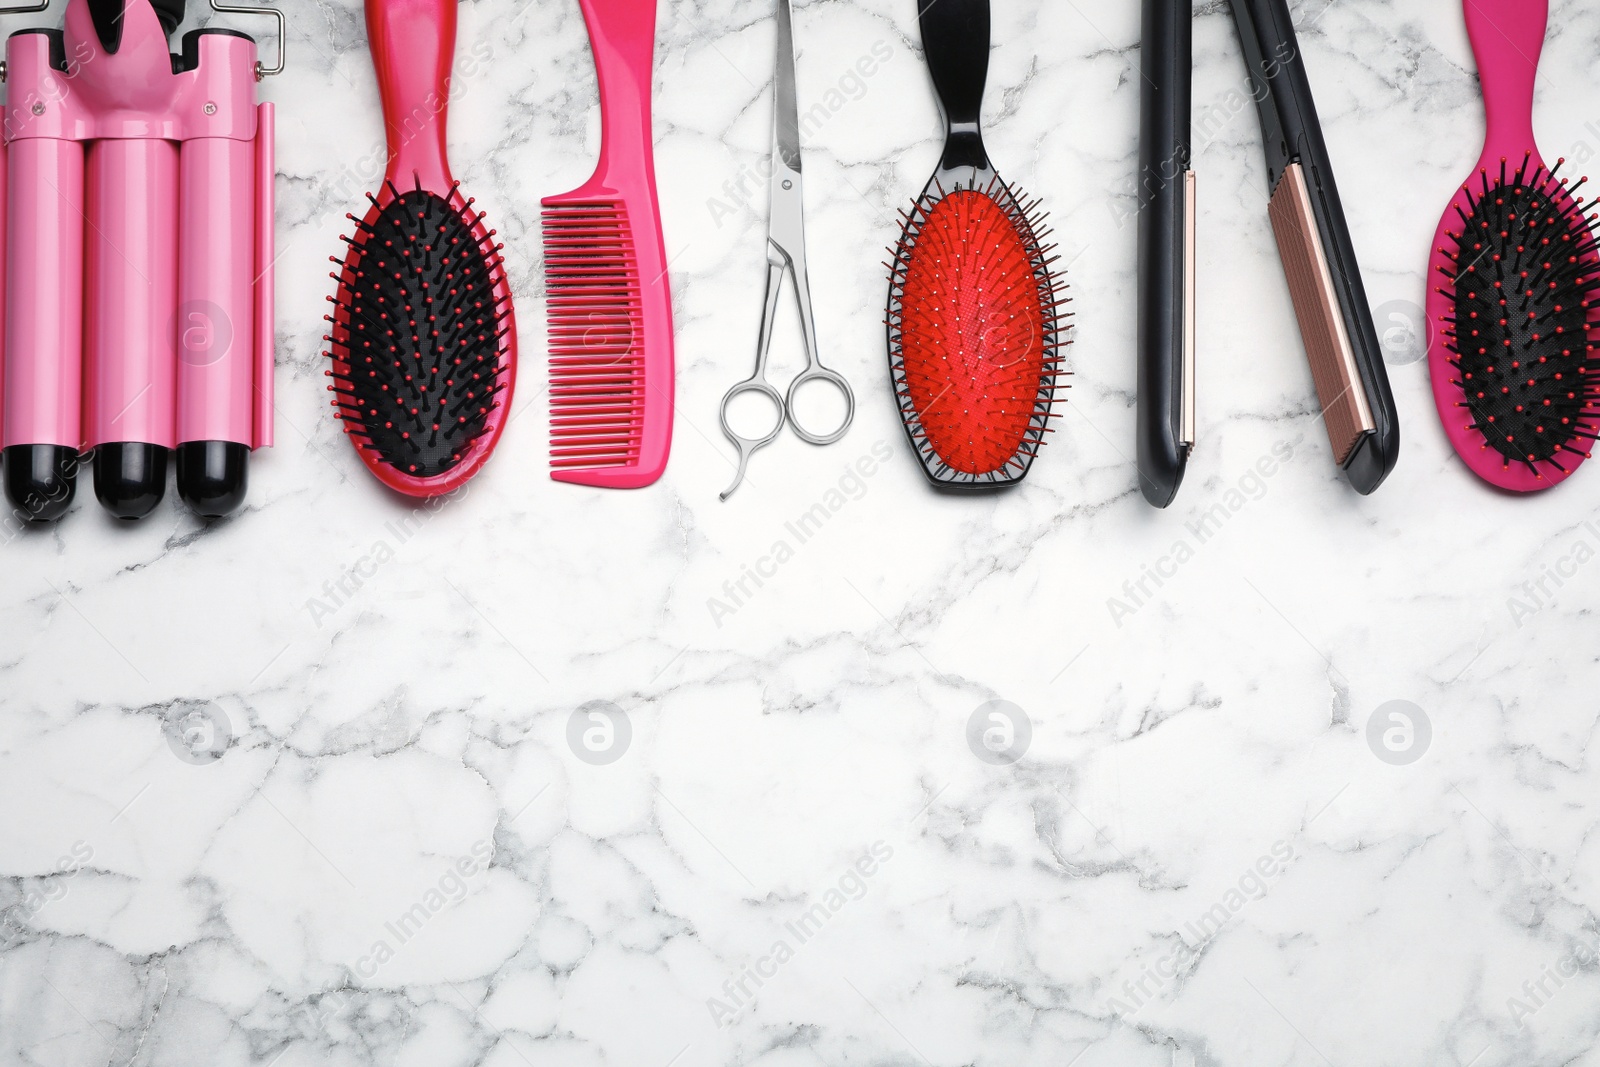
(139, 204)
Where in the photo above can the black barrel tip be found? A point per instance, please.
(41, 480)
(213, 476)
(130, 477)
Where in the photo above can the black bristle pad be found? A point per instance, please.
(1522, 340)
(417, 348)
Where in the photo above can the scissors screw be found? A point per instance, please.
(787, 184)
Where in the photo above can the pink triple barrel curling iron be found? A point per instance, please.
(138, 259)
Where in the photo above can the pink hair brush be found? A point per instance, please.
(1512, 353)
(605, 263)
(424, 346)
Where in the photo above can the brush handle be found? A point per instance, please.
(1507, 36)
(413, 45)
(955, 42)
(622, 35)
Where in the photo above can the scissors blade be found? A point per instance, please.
(785, 112)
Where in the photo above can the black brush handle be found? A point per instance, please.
(1165, 64)
(955, 41)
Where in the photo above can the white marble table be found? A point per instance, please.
(410, 851)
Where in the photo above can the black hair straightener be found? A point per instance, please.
(1314, 244)
(1165, 333)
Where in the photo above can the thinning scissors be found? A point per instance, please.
(786, 251)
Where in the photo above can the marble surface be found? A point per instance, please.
(545, 776)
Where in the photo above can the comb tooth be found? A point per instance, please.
(617, 423)
(597, 405)
(604, 398)
(619, 430)
(597, 391)
(595, 418)
(595, 370)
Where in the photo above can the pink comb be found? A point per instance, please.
(610, 307)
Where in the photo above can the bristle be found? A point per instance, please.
(597, 379)
(417, 339)
(974, 322)
(1521, 326)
